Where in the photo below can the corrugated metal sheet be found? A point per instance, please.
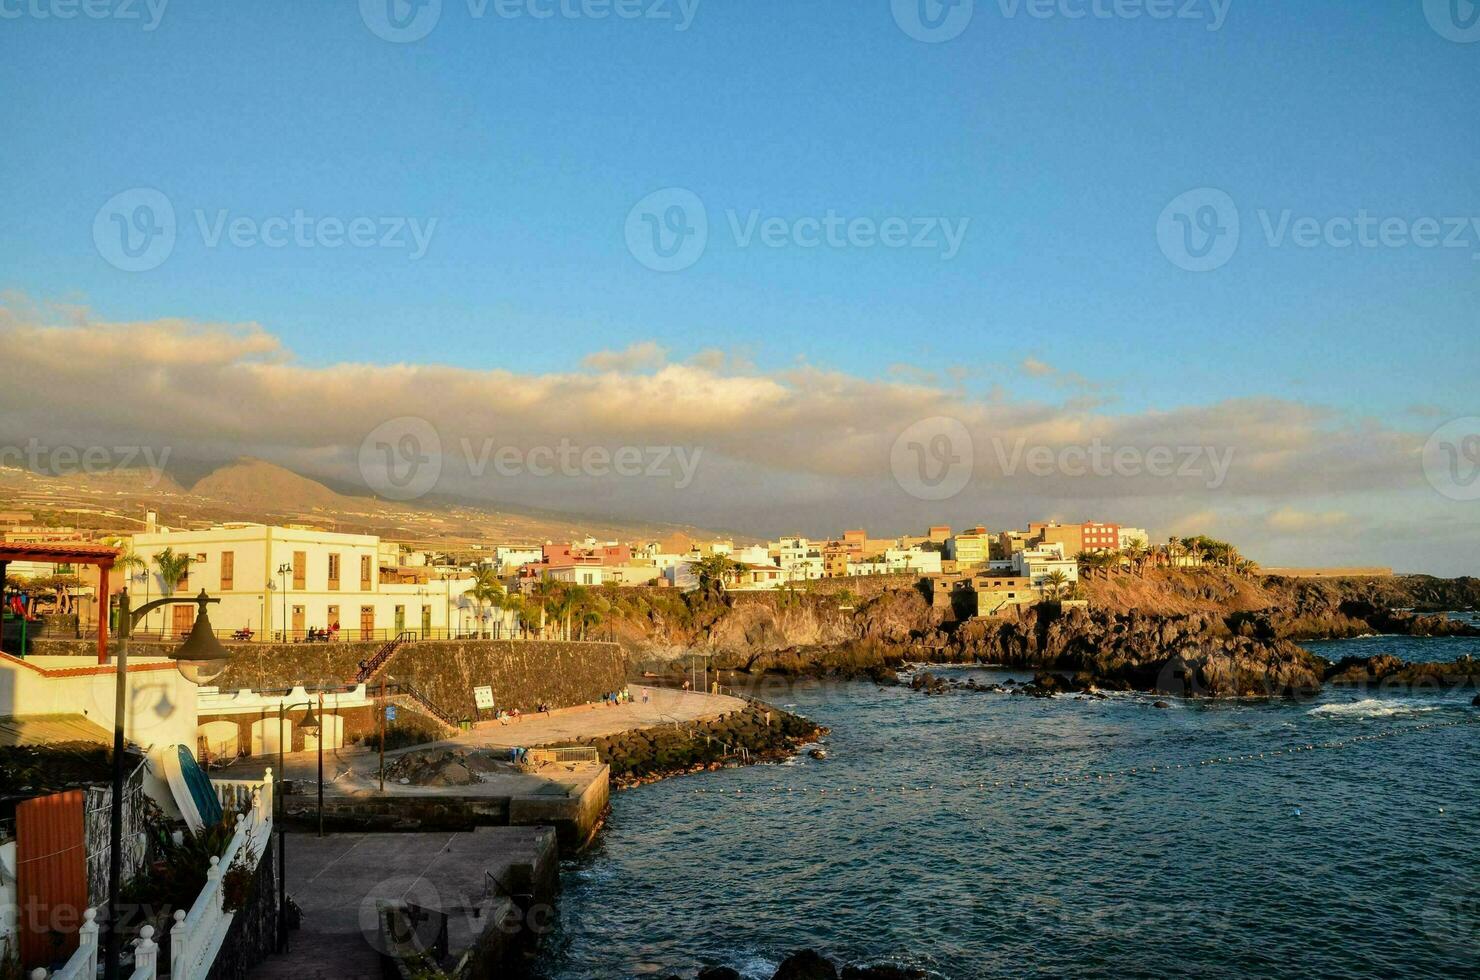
(51, 730)
(51, 877)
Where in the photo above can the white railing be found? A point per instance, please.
(196, 936)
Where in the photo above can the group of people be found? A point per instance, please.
(329, 633)
(614, 698)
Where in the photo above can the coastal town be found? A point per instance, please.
(303, 583)
(475, 672)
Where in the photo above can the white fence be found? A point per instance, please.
(196, 936)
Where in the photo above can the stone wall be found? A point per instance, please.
(253, 933)
(522, 673)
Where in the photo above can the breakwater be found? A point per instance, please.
(755, 733)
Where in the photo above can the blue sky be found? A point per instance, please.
(529, 140)
(1061, 140)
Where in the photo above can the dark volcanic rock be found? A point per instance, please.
(718, 973)
(883, 973)
(805, 965)
(1476, 702)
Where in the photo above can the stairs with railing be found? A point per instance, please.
(372, 666)
(424, 702)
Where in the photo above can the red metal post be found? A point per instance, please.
(103, 569)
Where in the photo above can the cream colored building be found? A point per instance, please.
(972, 547)
(272, 578)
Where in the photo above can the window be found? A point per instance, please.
(300, 568)
(228, 570)
(334, 572)
(364, 573)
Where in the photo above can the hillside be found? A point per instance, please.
(255, 490)
(252, 483)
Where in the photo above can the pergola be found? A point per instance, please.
(70, 554)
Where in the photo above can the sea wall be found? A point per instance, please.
(522, 673)
(644, 754)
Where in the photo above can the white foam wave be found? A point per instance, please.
(758, 967)
(1372, 708)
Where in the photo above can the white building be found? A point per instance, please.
(682, 575)
(799, 559)
(755, 554)
(578, 574)
(916, 560)
(1134, 537)
(269, 578)
(508, 558)
(1037, 564)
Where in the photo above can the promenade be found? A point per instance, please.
(353, 767)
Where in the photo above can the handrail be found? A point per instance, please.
(194, 937)
(400, 687)
(372, 666)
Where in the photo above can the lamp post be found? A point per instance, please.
(283, 571)
(314, 727)
(306, 724)
(200, 659)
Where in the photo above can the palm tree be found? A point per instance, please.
(486, 591)
(172, 569)
(1054, 583)
(128, 559)
(1137, 554)
(561, 607)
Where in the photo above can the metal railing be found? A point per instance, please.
(371, 667)
(564, 753)
(415, 694)
(341, 635)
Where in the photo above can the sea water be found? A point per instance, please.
(1330, 837)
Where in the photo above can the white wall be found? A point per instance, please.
(159, 702)
(257, 600)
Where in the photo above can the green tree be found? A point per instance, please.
(172, 568)
(715, 573)
(1054, 584)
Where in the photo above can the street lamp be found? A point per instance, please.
(200, 660)
(311, 725)
(283, 571)
(281, 807)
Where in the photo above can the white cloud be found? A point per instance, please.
(779, 447)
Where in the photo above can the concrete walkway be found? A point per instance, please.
(337, 879)
(664, 706)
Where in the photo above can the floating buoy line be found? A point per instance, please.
(1027, 782)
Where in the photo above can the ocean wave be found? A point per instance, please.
(758, 967)
(1372, 708)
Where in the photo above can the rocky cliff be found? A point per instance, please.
(1203, 632)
